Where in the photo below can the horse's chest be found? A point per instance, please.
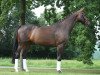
(61, 38)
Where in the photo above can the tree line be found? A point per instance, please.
(82, 39)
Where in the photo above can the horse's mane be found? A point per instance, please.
(61, 20)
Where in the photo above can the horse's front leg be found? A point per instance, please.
(59, 54)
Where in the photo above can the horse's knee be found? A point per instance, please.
(59, 58)
(16, 55)
(24, 55)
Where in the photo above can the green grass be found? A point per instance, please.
(48, 63)
(32, 73)
(72, 64)
(42, 67)
(23, 73)
(43, 72)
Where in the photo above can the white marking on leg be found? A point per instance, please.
(16, 65)
(25, 65)
(58, 65)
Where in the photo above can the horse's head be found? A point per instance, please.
(81, 17)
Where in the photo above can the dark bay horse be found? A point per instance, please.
(54, 35)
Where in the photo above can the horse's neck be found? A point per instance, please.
(69, 22)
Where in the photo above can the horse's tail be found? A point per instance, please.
(15, 45)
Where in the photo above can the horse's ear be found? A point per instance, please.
(82, 9)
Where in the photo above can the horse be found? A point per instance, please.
(55, 35)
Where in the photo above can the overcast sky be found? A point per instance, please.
(38, 11)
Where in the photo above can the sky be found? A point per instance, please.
(38, 11)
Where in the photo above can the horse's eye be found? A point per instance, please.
(82, 13)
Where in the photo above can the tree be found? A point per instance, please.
(82, 40)
(87, 48)
(50, 15)
(85, 39)
(22, 11)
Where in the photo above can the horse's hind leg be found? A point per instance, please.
(24, 58)
(16, 58)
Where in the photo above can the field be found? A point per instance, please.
(47, 67)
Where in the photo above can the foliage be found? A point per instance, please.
(82, 40)
(51, 14)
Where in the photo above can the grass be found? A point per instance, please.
(44, 72)
(48, 63)
(71, 64)
(43, 67)
(31, 73)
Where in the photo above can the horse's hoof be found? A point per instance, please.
(16, 70)
(59, 71)
(27, 70)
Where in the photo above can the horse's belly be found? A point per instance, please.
(43, 37)
(45, 42)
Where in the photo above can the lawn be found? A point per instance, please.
(46, 72)
(48, 63)
(47, 67)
